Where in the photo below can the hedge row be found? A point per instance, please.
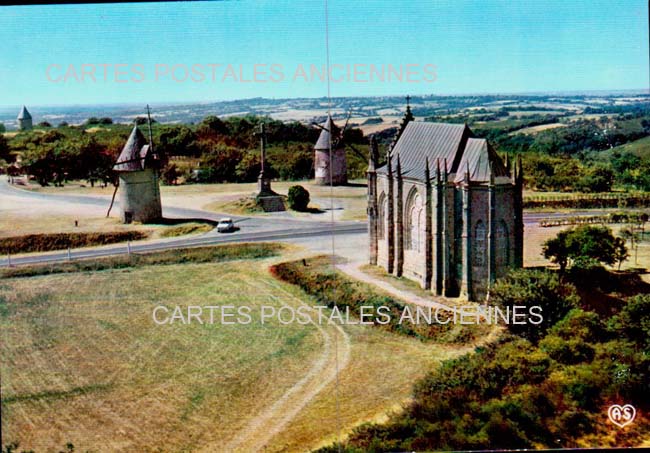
(637, 218)
(59, 241)
(586, 201)
(331, 288)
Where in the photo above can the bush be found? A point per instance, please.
(298, 198)
(535, 288)
(633, 322)
(334, 289)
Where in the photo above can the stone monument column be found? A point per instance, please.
(263, 181)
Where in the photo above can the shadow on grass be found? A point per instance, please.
(180, 221)
(314, 211)
(310, 210)
(605, 291)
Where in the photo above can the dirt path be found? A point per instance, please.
(264, 426)
(352, 269)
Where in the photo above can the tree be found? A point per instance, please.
(298, 198)
(44, 124)
(170, 174)
(557, 250)
(140, 120)
(620, 251)
(177, 140)
(644, 219)
(95, 162)
(633, 321)
(221, 161)
(212, 126)
(599, 178)
(248, 168)
(4, 149)
(586, 241)
(524, 287)
(628, 234)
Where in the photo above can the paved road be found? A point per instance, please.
(259, 223)
(251, 229)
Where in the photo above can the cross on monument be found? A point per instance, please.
(263, 148)
(263, 182)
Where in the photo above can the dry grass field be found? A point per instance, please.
(83, 362)
(535, 129)
(12, 224)
(536, 235)
(349, 201)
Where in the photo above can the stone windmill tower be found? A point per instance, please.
(24, 119)
(137, 167)
(330, 144)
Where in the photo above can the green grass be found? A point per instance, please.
(169, 387)
(639, 147)
(83, 362)
(53, 394)
(218, 253)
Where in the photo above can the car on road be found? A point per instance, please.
(225, 226)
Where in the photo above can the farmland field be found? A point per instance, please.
(83, 362)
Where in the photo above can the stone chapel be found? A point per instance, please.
(444, 210)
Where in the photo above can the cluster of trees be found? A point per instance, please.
(54, 157)
(539, 385)
(226, 150)
(548, 173)
(104, 121)
(524, 394)
(632, 170)
(569, 158)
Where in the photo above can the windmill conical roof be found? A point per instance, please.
(324, 139)
(24, 114)
(132, 157)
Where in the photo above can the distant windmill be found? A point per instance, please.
(332, 169)
(137, 168)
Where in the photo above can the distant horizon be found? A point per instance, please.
(596, 93)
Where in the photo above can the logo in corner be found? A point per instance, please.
(621, 416)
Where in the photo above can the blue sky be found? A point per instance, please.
(490, 46)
